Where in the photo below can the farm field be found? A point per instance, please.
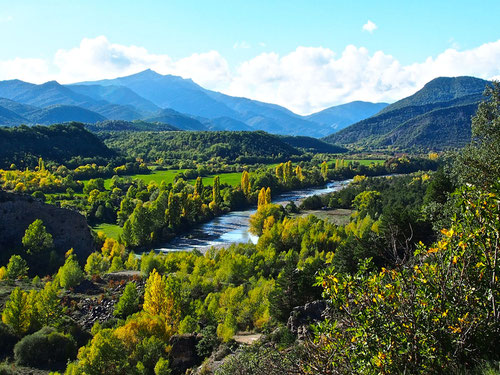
(169, 175)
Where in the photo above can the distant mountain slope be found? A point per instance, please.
(52, 94)
(65, 113)
(167, 91)
(179, 120)
(439, 129)
(170, 99)
(185, 96)
(10, 118)
(341, 116)
(311, 144)
(404, 123)
(442, 89)
(59, 143)
(138, 125)
(116, 95)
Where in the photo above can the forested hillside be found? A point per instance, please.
(244, 147)
(437, 117)
(24, 145)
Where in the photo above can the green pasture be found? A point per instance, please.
(110, 230)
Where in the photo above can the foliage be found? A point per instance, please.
(17, 312)
(479, 162)
(425, 315)
(37, 240)
(104, 355)
(16, 268)
(239, 147)
(70, 274)
(128, 303)
(46, 347)
(24, 145)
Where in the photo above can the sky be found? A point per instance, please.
(304, 55)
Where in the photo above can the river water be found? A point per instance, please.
(233, 227)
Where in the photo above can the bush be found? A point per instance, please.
(45, 348)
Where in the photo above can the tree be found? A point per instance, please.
(216, 198)
(155, 294)
(36, 239)
(198, 187)
(268, 196)
(479, 162)
(261, 200)
(95, 264)
(105, 355)
(17, 312)
(128, 303)
(173, 213)
(48, 306)
(70, 274)
(324, 170)
(16, 268)
(245, 183)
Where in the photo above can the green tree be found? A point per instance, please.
(216, 197)
(48, 306)
(479, 162)
(17, 312)
(70, 274)
(198, 187)
(104, 355)
(36, 239)
(128, 303)
(16, 268)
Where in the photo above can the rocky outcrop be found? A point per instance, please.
(302, 316)
(68, 228)
(183, 354)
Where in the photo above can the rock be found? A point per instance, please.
(183, 354)
(68, 228)
(303, 316)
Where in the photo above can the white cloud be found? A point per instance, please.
(305, 80)
(370, 27)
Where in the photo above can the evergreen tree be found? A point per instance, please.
(36, 239)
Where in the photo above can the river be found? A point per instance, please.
(233, 227)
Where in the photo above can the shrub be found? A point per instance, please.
(46, 347)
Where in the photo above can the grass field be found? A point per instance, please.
(168, 176)
(110, 230)
(232, 179)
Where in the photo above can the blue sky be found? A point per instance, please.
(36, 35)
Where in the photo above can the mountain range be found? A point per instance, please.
(437, 117)
(167, 99)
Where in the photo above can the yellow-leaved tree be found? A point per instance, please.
(161, 298)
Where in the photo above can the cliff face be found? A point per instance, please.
(68, 228)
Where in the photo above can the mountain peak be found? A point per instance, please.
(148, 73)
